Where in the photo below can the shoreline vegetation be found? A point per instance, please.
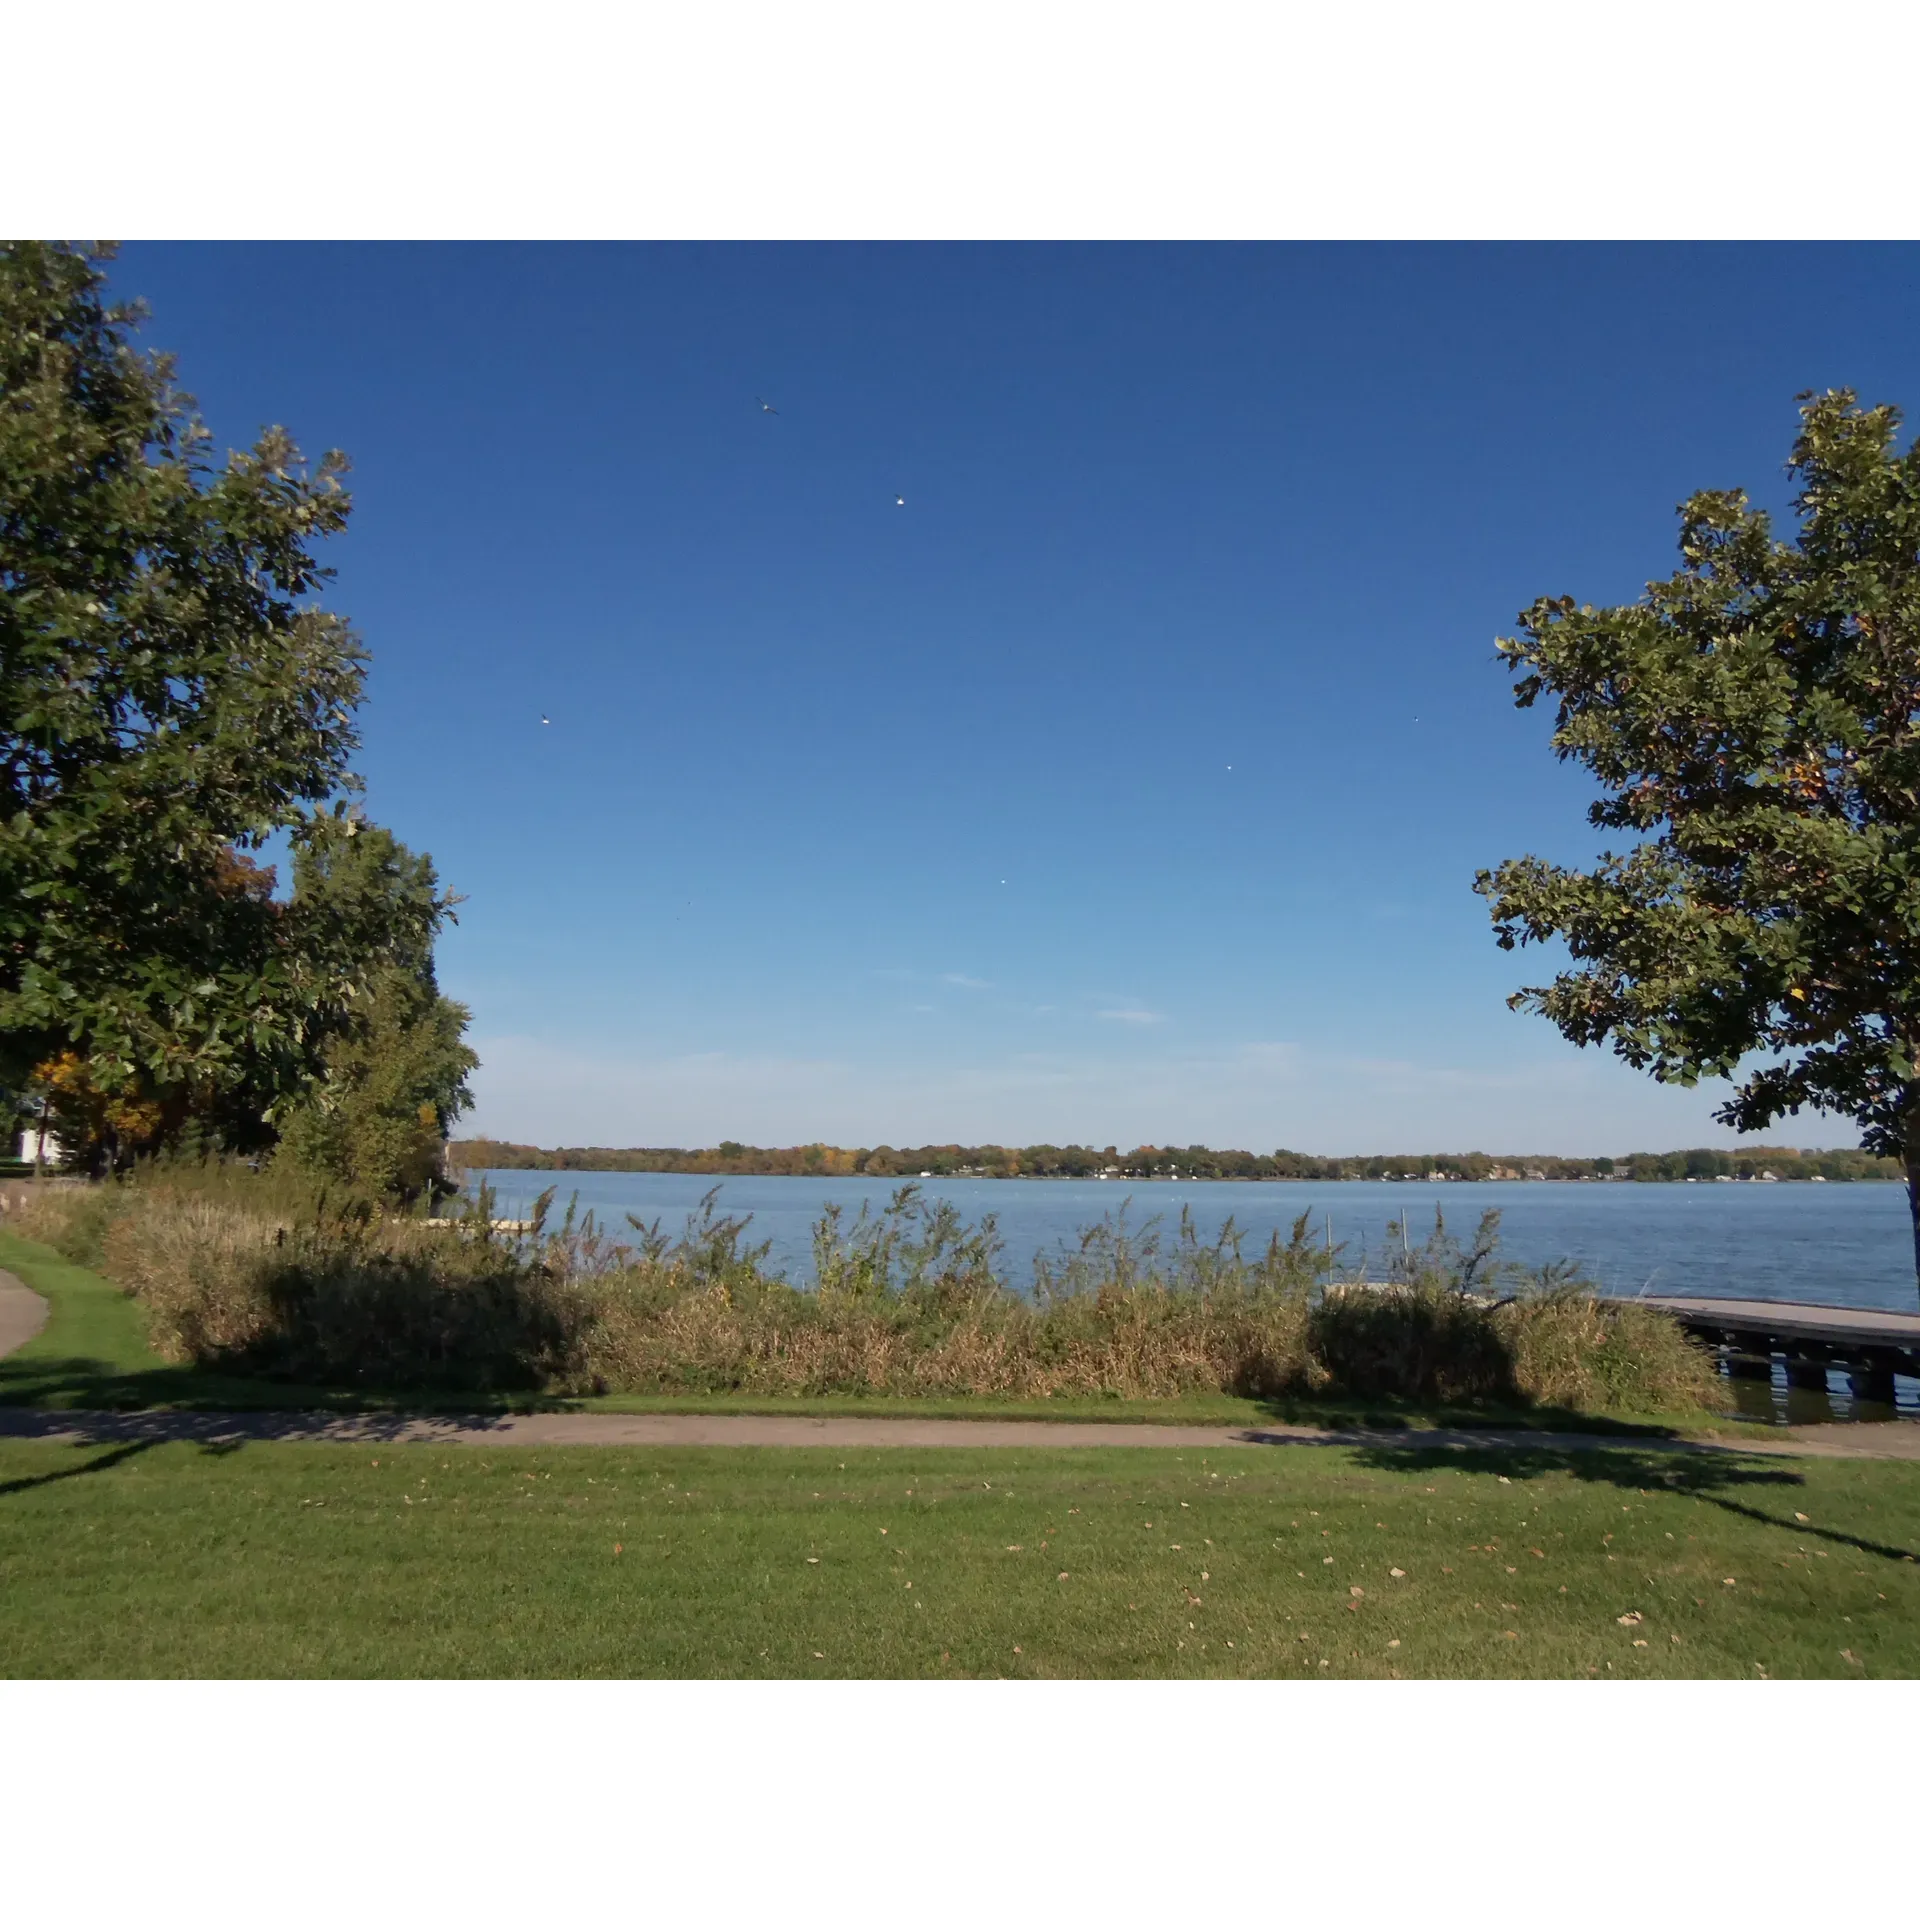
(819, 1161)
(257, 1278)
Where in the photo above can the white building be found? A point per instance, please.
(35, 1145)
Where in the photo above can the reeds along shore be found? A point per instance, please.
(251, 1275)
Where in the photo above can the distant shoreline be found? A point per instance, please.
(1767, 1165)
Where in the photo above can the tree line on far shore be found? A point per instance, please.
(1189, 1163)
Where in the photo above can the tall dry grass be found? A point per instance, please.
(240, 1273)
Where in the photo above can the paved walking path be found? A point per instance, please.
(23, 1313)
(1884, 1440)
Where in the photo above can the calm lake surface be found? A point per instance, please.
(1845, 1245)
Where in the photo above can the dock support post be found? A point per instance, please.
(1870, 1378)
(1809, 1375)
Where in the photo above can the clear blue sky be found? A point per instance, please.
(1125, 785)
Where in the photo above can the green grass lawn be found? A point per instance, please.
(94, 1353)
(290, 1559)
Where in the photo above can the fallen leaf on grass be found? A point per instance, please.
(1359, 1593)
(1061, 1576)
(1849, 1656)
(813, 1560)
(1800, 1516)
(1396, 1573)
(1537, 1552)
(1728, 1581)
(1393, 1643)
(1639, 1643)
(1511, 1635)
(1631, 1619)
(1328, 1561)
(1013, 1549)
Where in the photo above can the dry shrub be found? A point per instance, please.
(1559, 1346)
(1570, 1349)
(337, 1300)
(643, 1332)
(70, 1216)
(197, 1267)
(1412, 1343)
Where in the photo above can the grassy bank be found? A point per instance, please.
(279, 1293)
(310, 1559)
(95, 1353)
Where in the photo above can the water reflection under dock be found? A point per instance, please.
(1763, 1391)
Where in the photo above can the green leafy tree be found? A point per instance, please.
(1755, 723)
(390, 1078)
(391, 1085)
(170, 695)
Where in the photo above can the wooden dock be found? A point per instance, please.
(1810, 1340)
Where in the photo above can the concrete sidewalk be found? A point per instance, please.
(1886, 1440)
(22, 1313)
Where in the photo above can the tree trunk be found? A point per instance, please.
(1912, 1157)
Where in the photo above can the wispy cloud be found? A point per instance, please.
(1131, 1016)
(916, 976)
(1258, 1094)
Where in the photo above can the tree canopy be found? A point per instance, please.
(390, 1079)
(1755, 723)
(171, 696)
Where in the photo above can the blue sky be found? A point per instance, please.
(1125, 785)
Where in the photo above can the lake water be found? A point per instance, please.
(1845, 1245)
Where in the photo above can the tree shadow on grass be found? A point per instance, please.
(1705, 1474)
(41, 1383)
(100, 1463)
(78, 1385)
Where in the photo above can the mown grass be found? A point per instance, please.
(296, 1559)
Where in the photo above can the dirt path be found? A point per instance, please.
(22, 1313)
(1881, 1441)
